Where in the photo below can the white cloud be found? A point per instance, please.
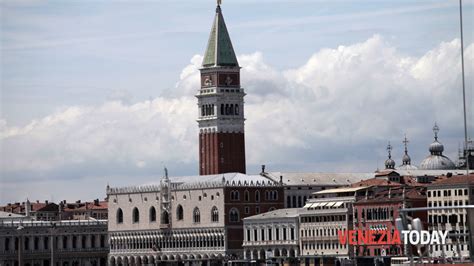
(335, 112)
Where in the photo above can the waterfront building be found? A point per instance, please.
(192, 220)
(320, 221)
(272, 236)
(451, 193)
(67, 243)
(378, 212)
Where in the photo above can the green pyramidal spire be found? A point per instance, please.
(219, 51)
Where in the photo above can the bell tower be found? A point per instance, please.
(221, 105)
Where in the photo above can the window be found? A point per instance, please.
(257, 196)
(196, 215)
(246, 195)
(179, 213)
(165, 217)
(234, 215)
(234, 195)
(136, 215)
(257, 209)
(152, 214)
(119, 216)
(247, 210)
(214, 214)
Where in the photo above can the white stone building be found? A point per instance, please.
(320, 220)
(272, 236)
(452, 192)
(67, 243)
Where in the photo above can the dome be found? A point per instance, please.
(389, 163)
(436, 147)
(406, 159)
(437, 162)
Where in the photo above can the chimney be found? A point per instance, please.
(449, 174)
(37, 201)
(46, 201)
(263, 169)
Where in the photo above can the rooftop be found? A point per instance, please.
(326, 179)
(219, 51)
(339, 190)
(454, 180)
(281, 213)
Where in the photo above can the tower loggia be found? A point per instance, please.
(221, 105)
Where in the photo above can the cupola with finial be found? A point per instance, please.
(389, 163)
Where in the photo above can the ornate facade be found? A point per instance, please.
(180, 219)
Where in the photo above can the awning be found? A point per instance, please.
(339, 203)
(307, 205)
(314, 205)
(322, 204)
(330, 204)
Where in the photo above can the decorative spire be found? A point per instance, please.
(389, 149)
(389, 163)
(405, 142)
(219, 51)
(435, 130)
(406, 160)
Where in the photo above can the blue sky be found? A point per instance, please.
(72, 61)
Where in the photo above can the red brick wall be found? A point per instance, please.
(235, 229)
(216, 146)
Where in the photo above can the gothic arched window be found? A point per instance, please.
(234, 195)
(236, 109)
(234, 215)
(152, 214)
(246, 195)
(257, 196)
(179, 213)
(165, 217)
(214, 214)
(135, 215)
(196, 215)
(119, 216)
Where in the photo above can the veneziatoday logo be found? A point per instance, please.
(385, 237)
